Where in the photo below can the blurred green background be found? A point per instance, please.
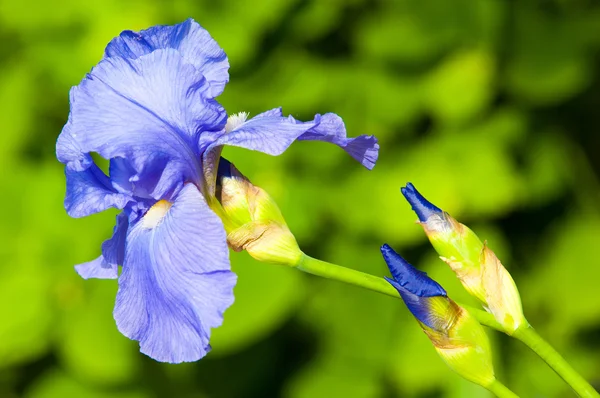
(491, 107)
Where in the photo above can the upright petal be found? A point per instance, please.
(272, 133)
(194, 43)
(176, 280)
(150, 110)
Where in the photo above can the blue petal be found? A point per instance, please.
(97, 268)
(68, 150)
(113, 249)
(419, 204)
(408, 277)
(90, 191)
(151, 111)
(194, 43)
(416, 289)
(418, 306)
(272, 133)
(176, 281)
(331, 128)
(268, 132)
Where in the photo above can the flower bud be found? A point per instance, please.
(477, 267)
(456, 335)
(252, 220)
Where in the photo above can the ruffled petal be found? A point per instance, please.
(150, 111)
(331, 128)
(272, 133)
(194, 43)
(97, 268)
(176, 280)
(69, 152)
(113, 249)
(90, 191)
(268, 132)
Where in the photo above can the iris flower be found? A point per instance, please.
(149, 108)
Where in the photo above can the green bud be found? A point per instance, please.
(462, 343)
(477, 267)
(252, 219)
(456, 335)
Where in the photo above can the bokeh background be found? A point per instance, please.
(491, 107)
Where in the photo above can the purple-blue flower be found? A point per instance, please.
(149, 108)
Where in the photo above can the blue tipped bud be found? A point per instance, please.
(419, 204)
(414, 280)
(414, 286)
(457, 337)
(477, 267)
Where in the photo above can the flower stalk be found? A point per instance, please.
(500, 390)
(484, 277)
(533, 340)
(357, 278)
(525, 333)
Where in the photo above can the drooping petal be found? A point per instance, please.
(331, 128)
(268, 132)
(272, 133)
(150, 111)
(193, 42)
(97, 268)
(90, 191)
(113, 249)
(176, 281)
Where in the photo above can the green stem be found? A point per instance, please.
(545, 351)
(501, 391)
(526, 334)
(357, 278)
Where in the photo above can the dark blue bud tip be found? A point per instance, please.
(224, 169)
(419, 204)
(409, 279)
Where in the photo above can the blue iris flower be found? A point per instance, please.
(149, 108)
(415, 287)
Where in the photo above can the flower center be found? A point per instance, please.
(236, 120)
(156, 213)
